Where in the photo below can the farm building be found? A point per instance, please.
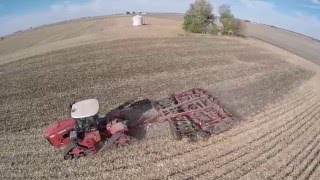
(137, 20)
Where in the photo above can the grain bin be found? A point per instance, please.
(137, 20)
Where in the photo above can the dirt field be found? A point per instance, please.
(295, 43)
(273, 94)
(79, 32)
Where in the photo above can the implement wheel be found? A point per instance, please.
(68, 157)
(176, 135)
(220, 127)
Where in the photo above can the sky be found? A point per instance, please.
(302, 16)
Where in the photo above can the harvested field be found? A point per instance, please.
(295, 43)
(79, 32)
(114, 72)
(272, 94)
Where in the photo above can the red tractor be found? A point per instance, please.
(84, 133)
(191, 114)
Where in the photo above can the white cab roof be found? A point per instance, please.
(85, 108)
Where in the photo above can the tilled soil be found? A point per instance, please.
(275, 134)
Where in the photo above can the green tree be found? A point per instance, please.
(213, 29)
(225, 11)
(197, 17)
(231, 25)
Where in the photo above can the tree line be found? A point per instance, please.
(200, 19)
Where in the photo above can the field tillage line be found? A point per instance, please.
(314, 116)
(275, 108)
(192, 150)
(297, 159)
(258, 159)
(262, 120)
(211, 159)
(264, 160)
(122, 166)
(299, 101)
(315, 168)
(264, 135)
(310, 166)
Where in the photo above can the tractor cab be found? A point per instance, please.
(85, 113)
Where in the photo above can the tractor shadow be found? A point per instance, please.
(138, 132)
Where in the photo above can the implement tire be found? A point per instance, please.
(176, 135)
